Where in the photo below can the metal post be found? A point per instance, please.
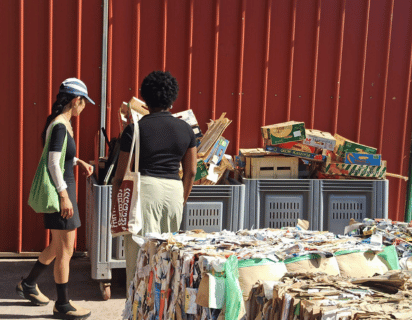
(104, 74)
(408, 208)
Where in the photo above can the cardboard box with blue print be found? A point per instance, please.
(296, 153)
(284, 132)
(215, 156)
(363, 159)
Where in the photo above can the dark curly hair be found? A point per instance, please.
(159, 89)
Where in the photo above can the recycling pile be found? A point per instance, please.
(319, 296)
(292, 151)
(213, 165)
(226, 275)
(388, 233)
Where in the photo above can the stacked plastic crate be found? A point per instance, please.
(294, 177)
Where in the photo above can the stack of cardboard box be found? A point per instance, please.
(213, 164)
(351, 159)
(291, 151)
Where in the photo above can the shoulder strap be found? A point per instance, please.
(64, 148)
(136, 138)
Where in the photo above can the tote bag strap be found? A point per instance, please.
(136, 137)
(135, 145)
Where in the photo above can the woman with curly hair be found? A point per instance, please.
(165, 142)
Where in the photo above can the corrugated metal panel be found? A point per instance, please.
(39, 51)
(340, 66)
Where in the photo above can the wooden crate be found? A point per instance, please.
(276, 167)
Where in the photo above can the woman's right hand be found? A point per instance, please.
(66, 207)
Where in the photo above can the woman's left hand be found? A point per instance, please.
(87, 168)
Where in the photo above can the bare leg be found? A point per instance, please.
(48, 254)
(62, 247)
(64, 241)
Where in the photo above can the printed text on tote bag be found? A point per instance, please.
(123, 200)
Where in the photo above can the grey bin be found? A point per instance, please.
(214, 208)
(106, 253)
(277, 203)
(341, 200)
(211, 208)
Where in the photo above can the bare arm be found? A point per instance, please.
(87, 168)
(189, 171)
(119, 175)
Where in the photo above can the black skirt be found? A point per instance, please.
(55, 220)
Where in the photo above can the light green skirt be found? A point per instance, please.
(162, 209)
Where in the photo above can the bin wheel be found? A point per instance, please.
(105, 290)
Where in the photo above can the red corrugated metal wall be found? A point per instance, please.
(340, 66)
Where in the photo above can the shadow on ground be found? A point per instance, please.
(82, 289)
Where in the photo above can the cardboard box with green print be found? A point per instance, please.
(284, 132)
(344, 146)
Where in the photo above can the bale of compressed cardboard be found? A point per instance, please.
(313, 263)
(360, 264)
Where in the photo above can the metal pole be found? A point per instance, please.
(104, 75)
(408, 208)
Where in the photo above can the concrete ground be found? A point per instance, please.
(82, 289)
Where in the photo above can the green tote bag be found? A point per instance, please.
(43, 197)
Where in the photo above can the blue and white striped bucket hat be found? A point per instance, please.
(76, 87)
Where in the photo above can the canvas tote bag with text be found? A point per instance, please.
(126, 214)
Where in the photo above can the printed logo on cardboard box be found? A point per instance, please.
(218, 151)
(363, 159)
(201, 170)
(295, 153)
(284, 132)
